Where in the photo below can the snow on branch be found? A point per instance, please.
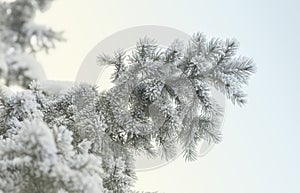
(59, 137)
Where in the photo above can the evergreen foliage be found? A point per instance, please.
(80, 140)
(83, 140)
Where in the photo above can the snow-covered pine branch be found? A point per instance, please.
(59, 137)
(204, 63)
(70, 138)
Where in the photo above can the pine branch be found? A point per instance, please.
(81, 140)
(117, 60)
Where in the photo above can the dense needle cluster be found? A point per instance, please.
(173, 83)
(56, 139)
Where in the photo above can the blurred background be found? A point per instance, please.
(260, 148)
